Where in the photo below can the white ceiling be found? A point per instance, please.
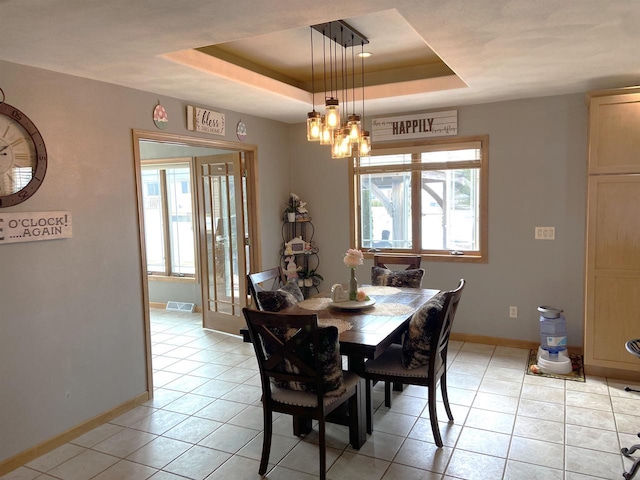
(500, 50)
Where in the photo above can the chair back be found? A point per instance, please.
(442, 330)
(383, 272)
(412, 262)
(287, 347)
(271, 279)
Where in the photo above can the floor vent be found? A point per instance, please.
(181, 306)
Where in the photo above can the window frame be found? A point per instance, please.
(415, 169)
(169, 273)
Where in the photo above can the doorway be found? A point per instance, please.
(224, 207)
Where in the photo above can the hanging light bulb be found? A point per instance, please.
(332, 113)
(335, 146)
(345, 145)
(341, 144)
(314, 126)
(354, 128)
(326, 134)
(365, 144)
(313, 117)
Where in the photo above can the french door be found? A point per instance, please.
(224, 246)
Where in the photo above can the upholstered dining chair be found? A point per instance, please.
(266, 280)
(422, 357)
(301, 374)
(633, 347)
(385, 273)
(386, 261)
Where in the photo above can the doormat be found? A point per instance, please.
(577, 368)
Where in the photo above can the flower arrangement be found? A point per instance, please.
(352, 259)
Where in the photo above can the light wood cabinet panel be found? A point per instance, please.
(614, 201)
(612, 320)
(614, 136)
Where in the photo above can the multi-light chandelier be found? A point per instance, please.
(347, 138)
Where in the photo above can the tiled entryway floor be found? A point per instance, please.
(205, 421)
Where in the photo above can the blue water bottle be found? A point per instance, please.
(553, 330)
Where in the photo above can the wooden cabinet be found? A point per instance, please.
(612, 297)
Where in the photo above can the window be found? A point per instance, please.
(428, 199)
(168, 218)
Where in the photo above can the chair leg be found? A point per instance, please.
(322, 448)
(636, 465)
(266, 441)
(369, 406)
(445, 396)
(357, 413)
(433, 416)
(387, 394)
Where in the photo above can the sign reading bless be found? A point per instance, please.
(203, 120)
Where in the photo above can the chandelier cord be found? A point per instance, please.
(313, 76)
(324, 62)
(362, 72)
(353, 76)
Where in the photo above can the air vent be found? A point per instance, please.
(181, 306)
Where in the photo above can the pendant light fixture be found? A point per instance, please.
(314, 124)
(346, 138)
(364, 146)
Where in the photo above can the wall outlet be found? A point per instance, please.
(545, 233)
(513, 312)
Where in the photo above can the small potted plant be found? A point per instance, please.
(292, 207)
(310, 277)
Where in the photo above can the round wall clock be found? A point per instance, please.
(23, 156)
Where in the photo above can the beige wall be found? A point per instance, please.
(537, 177)
(71, 313)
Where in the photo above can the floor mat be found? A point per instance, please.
(576, 375)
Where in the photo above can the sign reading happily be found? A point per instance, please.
(206, 121)
(433, 124)
(34, 226)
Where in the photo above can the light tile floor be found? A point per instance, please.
(205, 422)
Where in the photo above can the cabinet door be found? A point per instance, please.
(613, 271)
(614, 133)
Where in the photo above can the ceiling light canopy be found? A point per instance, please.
(347, 138)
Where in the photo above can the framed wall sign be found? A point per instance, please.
(34, 226)
(421, 125)
(206, 121)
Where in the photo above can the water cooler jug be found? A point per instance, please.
(552, 354)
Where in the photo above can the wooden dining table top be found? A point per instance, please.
(367, 332)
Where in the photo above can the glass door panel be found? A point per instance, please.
(223, 209)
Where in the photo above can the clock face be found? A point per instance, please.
(23, 156)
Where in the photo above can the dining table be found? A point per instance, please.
(366, 329)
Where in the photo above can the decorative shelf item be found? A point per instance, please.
(299, 256)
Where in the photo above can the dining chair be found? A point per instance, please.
(410, 261)
(383, 274)
(266, 280)
(384, 271)
(422, 357)
(301, 374)
(633, 347)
